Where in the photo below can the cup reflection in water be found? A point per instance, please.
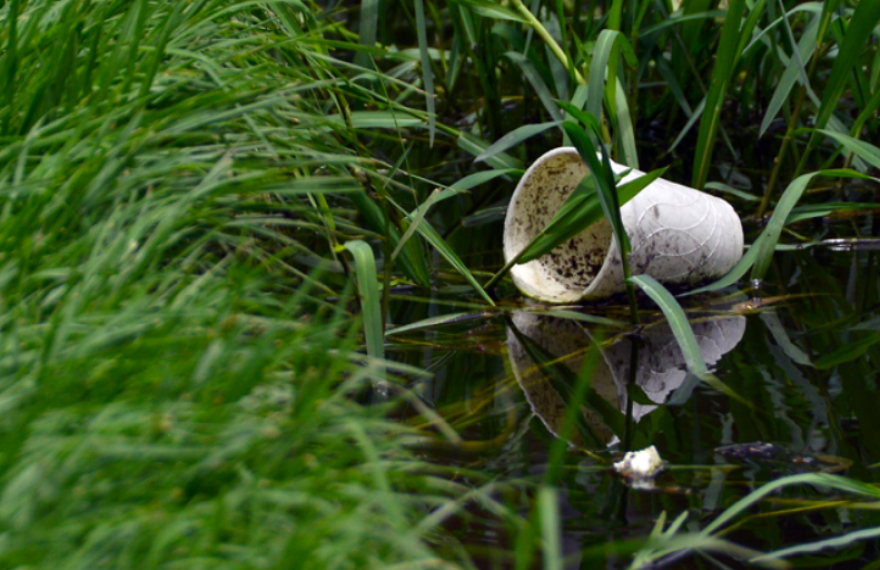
(660, 367)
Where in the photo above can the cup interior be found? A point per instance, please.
(566, 272)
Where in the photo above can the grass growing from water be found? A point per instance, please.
(183, 185)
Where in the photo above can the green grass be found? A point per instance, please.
(205, 206)
(177, 390)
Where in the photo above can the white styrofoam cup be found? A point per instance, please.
(679, 235)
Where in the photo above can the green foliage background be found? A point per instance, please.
(179, 324)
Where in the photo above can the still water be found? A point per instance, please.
(796, 363)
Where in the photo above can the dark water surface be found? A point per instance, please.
(798, 359)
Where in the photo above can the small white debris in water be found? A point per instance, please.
(643, 464)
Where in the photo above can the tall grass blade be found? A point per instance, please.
(427, 72)
(862, 24)
(725, 60)
(550, 528)
(602, 76)
(692, 120)
(625, 128)
(538, 84)
(542, 31)
(608, 199)
(477, 178)
(417, 219)
(10, 60)
(600, 170)
(367, 31)
(168, 26)
(793, 73)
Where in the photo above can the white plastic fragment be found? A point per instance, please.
(679, 235)
(640, 465)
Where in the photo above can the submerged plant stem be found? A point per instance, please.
(630, 382)
(631, 293)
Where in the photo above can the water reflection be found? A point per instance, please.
(538, 345)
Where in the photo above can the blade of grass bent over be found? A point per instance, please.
(826, 480)
(760, 253)
(868, 152)
(368, 291)
(678, 322)
(684, 335)
(515, 137)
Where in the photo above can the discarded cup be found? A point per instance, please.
(678, 235)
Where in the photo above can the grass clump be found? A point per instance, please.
(174, 390)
